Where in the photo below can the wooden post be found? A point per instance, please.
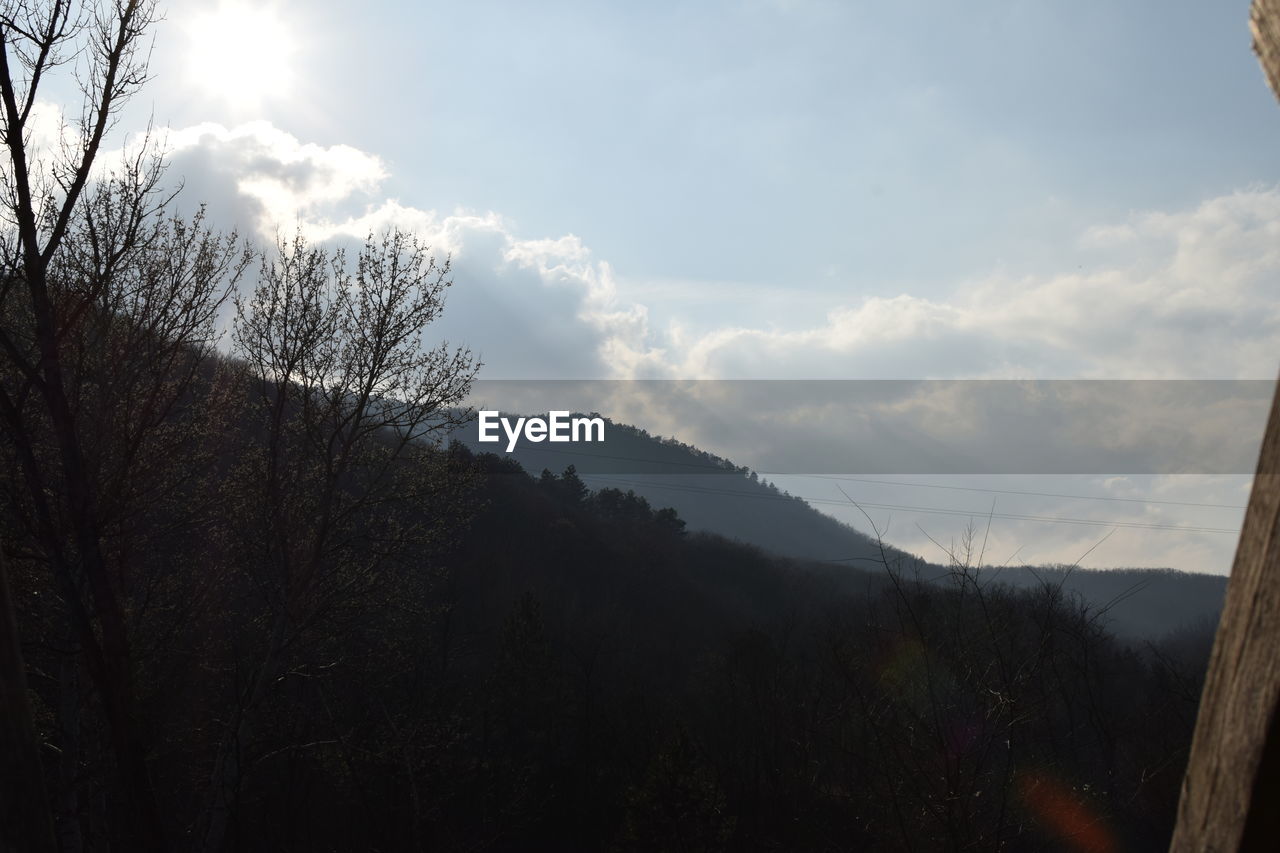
(1231, 793)
(1264, 23)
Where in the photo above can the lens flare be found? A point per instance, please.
(1066, 814)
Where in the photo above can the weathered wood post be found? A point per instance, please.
(1231, 793)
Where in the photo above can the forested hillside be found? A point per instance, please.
(713, 494)
(281, 615)
(253, 597)
(551, 666)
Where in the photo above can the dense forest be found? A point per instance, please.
(552, 667)
(252, 598)
(713, 494)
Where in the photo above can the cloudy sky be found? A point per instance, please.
(774, 188)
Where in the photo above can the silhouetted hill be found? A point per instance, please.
(632, 669)
(1141, 603)
(711, 493)
(714, 495)
(555, 667)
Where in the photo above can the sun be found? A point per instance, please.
(242, 52)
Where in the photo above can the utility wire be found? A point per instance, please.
(1005, 491)
(928, 510)
(729, 469)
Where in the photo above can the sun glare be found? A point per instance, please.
(241, 52)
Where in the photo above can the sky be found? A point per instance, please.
(773, 189)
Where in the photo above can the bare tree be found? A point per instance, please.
(351, 399)
(139, 306)
(104, 301)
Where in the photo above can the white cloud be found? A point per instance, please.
(1182, 294)
(285, 179)
(1174, 295)
(532, 308)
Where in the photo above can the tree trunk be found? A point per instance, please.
(26, 822)
(70, 838)
(1232, 786)
(228, 770)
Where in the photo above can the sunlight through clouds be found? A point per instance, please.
(1185, 293)
(242, 53)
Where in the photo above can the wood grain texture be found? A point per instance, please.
(1231, 792)
(1264, 23)
(1229, 801)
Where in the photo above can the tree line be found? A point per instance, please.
(250, 600)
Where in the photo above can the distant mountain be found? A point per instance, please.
(1137, 602)
(713, 494)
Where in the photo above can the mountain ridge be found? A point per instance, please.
(713, 494)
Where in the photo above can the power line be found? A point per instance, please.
(728, 468)
(929, 510)
(1005, 491)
